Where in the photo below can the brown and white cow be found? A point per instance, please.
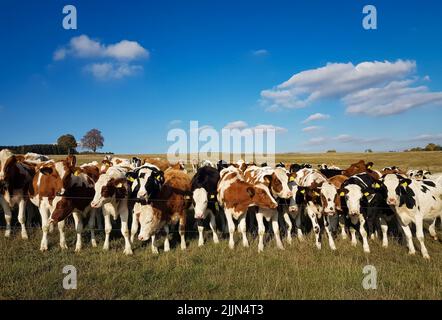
(76, 200)
(15, 179)
(111, 194)
(168, 208)
(276, 180)
(51, 180)
(236, 195)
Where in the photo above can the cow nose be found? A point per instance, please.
(140, 237)
(391, 201)
(290, 194)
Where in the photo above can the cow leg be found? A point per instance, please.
(200, 223)
(166, 241)
(212, 225)
(154, 247)
(342, 226)
(44, 213)
(288, 221)
(79, 229)
(134, 227)
(231, 226)
(124, 216)
(182, 230)
(316, 228)
(242, 226)
(107, 230)
(384, 228)
(354, 241)
(298, 224)
(432, 230)
(275, 227)
(261, 231)
(409, 237)
(22, 218)
(91, 226)
(8, 216)
(363, 233)
(420, 236)
(327, 227)
(63, 244)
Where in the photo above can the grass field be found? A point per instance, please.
(216, 272)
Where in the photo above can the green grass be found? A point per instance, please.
(216, 272)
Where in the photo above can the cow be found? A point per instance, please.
(204, 195)
(15, 180)
(414, 201)
(294, 167)
(319, 200)
(76, 200)
(236, 195)
(111, 194)
(337, 181)
(221, 164)
(145, 184)
(35, 157)
(418, 174)
(365, 206)
(276, 180)
(324, 166)
(167, 209)
(110, 161)
(51, 180)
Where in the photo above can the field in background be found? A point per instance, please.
(406, 160)
(216, 272)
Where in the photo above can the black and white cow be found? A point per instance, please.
(204, 193)
(145, 184)
(414, 201)
(365, 206)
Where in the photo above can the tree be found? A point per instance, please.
(368, 151)
(92, 140)
(66, 143)
(433, 147)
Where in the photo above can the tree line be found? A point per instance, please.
(66, 144)
(428, 147)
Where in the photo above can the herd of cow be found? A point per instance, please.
(153, 195)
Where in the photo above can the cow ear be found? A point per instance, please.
(342, 192)
(405, 182)
(268, 179)
(251, 192)
(292, 176)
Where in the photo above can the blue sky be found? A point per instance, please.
(220, 62)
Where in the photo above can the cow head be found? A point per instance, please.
(150, 221)
(109, 189)
(330, 199)
(278, 183)
(297, 199)
(145, 182)
(356, 198)
(260, 196)
(105, 165)
(398, 191)
(201, 199)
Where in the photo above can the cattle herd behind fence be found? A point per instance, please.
(151, 198)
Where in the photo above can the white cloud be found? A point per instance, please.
(260, 52)
(316, 116)
(311, 129)
(236, 125)
(85, 47)
(370, 88)
(267, 127)
(109, 70)
(426, 138)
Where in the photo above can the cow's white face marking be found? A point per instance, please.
(391, 182)
(329, 192)
(293, 206)
(353, 199)
(200, 198)
(143, 176)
